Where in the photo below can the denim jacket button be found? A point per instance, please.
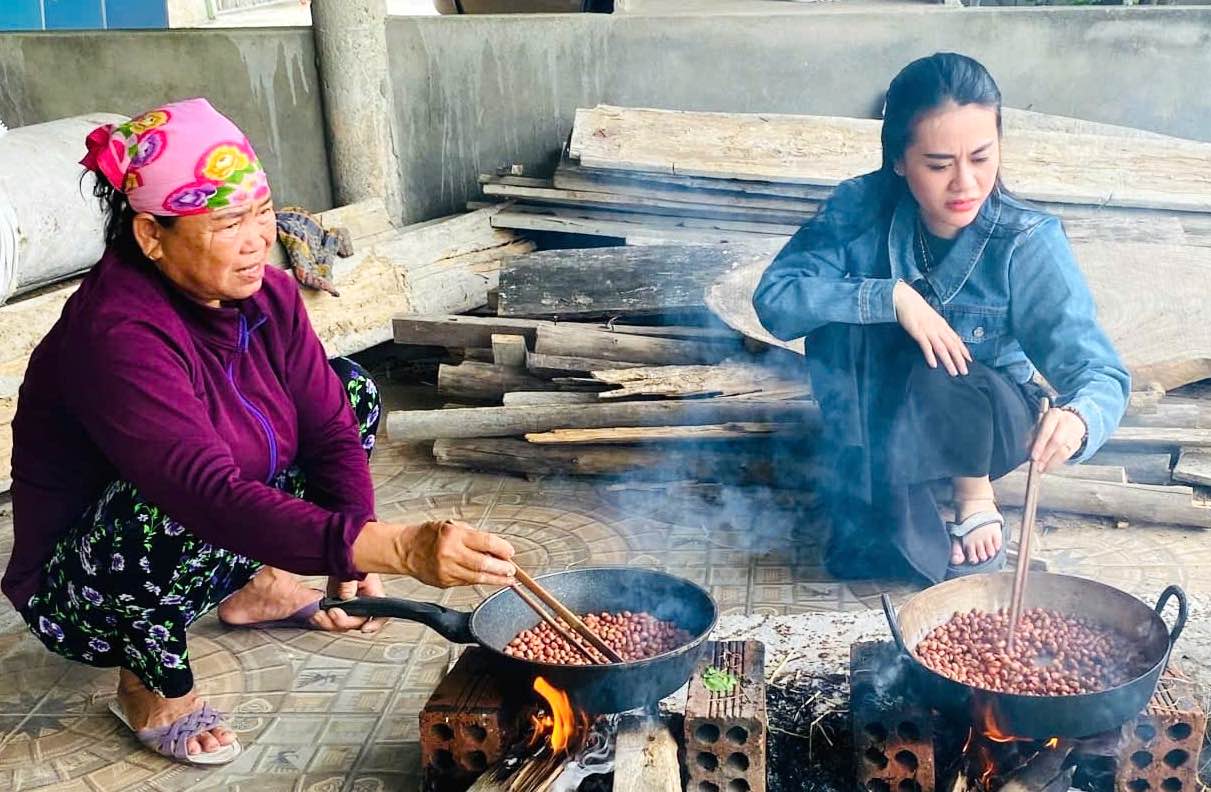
(978, 332)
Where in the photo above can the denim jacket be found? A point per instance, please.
(1009, 287)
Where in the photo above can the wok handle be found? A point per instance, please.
(453, 625)
(1180, 624)
(889, 611)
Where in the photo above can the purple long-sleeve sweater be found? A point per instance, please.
(198, 407)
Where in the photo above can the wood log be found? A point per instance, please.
(567, 366)
(477, 355)
(1135, 503)
(1141, 467)
(535, 398)
(509, 350)
(631, 435)
(1038, 165)
(1193, 467)
(645, 756)
(754, 466)
(409, 425)
(619, 281)
(579, 341)
(725, 379)
(476, 331)
(485, 381)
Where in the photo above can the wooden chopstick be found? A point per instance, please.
(1026, 542)
(568, 637)
(571, 618)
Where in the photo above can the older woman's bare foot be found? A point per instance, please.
(145, 709)
(273, 595)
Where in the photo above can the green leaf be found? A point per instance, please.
(717, 680)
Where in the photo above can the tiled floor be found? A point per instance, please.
(324, 713)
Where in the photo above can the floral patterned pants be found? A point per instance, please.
(126, 580)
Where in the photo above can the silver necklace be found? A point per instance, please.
(926, 256)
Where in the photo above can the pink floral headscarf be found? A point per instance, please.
(181, 159)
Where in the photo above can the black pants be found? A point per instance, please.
(126, 580)
(921, 426)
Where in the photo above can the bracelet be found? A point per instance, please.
(1085, 437)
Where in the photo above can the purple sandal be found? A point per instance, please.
(171, 741)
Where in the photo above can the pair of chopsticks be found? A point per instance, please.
(579, 627)
(1026, 543)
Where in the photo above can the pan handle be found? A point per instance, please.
(1180, 624)
(453, 625)
(889, 611)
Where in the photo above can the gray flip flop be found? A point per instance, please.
(979, 520)
(170, 741)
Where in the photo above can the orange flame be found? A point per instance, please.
(564, 724)
(991, 730)
(1052, 744)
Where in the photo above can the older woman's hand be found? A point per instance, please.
(370, 586)
(441, 553)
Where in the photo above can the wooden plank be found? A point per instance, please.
(486, 381)
(411, 425)
(1038, 165)
(578, 341)
(629, 435)
(570, 175)
(1170, 414)
(757, 466)
(549, 195)
(1136, 503)
(645, 756)
(568, 366)
(1128, 437)
(1141, 467)
(1087, 472)
(596, 222)
(1193, 467)
(724, 379)
(534, 398)
(661, 190)
(460, 332)
(443, 266)
(619, 281)
(509, 350)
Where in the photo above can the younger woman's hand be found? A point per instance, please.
(938, 341)
(1059, 436)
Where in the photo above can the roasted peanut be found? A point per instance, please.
(634, 636)
(1053, 654)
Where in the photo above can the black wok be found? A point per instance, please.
(597, 689)
(1040, 717)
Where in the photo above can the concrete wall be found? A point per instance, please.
(473, 93)
(264, 80)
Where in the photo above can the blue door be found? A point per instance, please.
(82, 14)
(21, 15)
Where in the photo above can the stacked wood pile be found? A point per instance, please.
(697, 205)
(445, 265)
(643, 401)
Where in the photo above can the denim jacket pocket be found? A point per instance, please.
(982, 327)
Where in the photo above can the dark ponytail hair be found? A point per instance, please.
(120, 218)
(924, 85)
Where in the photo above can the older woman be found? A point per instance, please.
(930, 298)
(181, 441)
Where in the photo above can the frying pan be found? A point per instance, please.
(597, 689)
(1040, 717)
